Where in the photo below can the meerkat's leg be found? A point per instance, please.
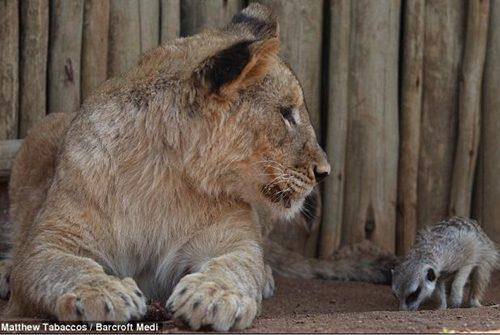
(441, 294)
(457, 286)
(479, 280)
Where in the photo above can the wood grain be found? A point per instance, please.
(124, 36)
(444, 34)
(411, 111)
(33, 63)
(487, 191)
(95, 45)
(149, 15)
(469, 108)
(65, 48)
(9, 67)
(372, 142)
(336, 130)
(170, 19)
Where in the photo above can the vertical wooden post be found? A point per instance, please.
(33, 63)
(170, 19)
(372, 144)
(469, 107)
(487, 192)
(9, 81)
(95, 45)
(444, 32)
(65, 46)
(150, 24)
(124, 36)
(197, 15)
(336, 128)
(411, 109)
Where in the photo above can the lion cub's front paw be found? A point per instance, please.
(105, 299)
(200, 301)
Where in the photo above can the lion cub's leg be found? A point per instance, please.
(226, 289)
(72, 288)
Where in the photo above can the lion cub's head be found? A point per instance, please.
(249, 133)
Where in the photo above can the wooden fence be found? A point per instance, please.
(404, 95)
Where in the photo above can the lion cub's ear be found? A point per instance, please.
(237, 67)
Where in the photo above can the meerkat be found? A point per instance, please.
(443, 257)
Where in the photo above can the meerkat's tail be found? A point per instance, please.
(362, 262)
(5, 265)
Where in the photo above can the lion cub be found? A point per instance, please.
(444, 256)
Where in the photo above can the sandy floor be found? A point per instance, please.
(327, 306)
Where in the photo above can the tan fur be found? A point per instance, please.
(157, 183)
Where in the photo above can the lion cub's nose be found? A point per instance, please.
(321, 171)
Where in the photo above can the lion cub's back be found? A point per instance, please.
(33, 169)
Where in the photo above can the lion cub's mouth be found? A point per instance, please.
(276, 195)
(285, 186)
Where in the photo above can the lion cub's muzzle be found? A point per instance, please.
(293, 184)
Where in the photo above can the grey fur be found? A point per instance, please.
(443, 257)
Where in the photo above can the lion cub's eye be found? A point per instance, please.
(288, 115)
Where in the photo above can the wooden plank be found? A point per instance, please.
(198, 15)
(65, 47)
(95, 45)
(170, 20)
(444, 32)
(8, 150)
(301, 33)
(149, 16)
(469, 107)
(124, 36)
(9, 81)
(487, 192)
(336, 132)
(33, 63)
(411, 109)
(372, 142)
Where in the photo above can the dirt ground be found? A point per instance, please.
(320, 306)
(327, 306)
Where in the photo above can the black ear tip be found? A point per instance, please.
(259, 19)
(431, 275)
(260, 11)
